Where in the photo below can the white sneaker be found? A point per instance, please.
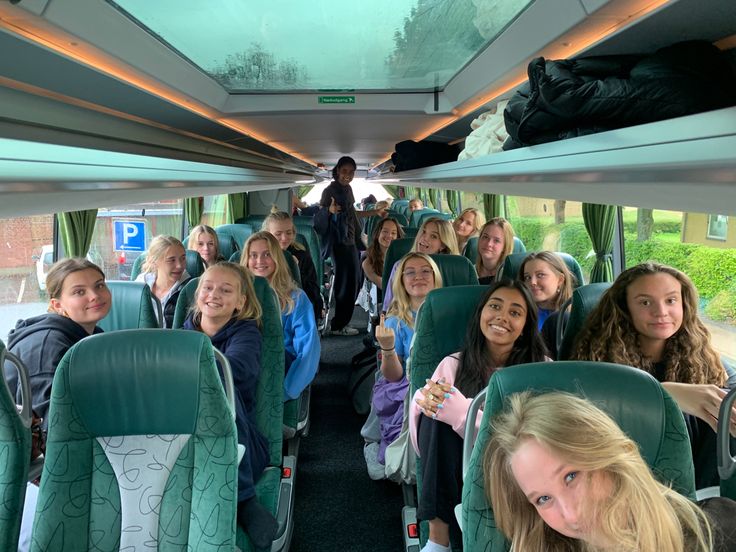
(347, 330)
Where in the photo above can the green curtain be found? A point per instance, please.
(453, 201)
(493, 206)
(410, 192)
(236, 207)
(193, 209)
(600, 222)
(76, 230)
(435, 198)
(392, 189)
(303, 190)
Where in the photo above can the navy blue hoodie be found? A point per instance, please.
(40, 343)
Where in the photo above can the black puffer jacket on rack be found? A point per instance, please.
(569, 98)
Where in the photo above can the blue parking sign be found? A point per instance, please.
(129, 235)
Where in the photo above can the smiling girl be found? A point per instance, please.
(165, 273)
(467, 225)
(386, 231)
(262, 256)
(495, 243)
(227, 310)
(435, 237)
(502, 332)
(203, 239)
(649, 319)
(549, 280)
(78, 299)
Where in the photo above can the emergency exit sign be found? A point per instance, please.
(336, 99)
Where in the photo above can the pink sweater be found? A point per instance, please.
(455, 411)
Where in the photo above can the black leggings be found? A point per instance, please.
(441, 452)
(347, 280)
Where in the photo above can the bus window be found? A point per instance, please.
(116, 259)
(28, 251)
(703, 246)
(214, 212)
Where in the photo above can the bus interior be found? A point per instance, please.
(135, 108)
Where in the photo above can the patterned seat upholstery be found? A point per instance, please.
(141, 451)
(439, 331)
(132, 307)
(195, 265)
(15, 451)
(631, 397)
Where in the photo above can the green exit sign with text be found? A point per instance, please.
(336, 99)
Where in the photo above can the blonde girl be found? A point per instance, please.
(203, 239)
(263, 256)
(467, 225)
(281, 225)
(435, 237)
(165, 273)
(562, 476)
(495, 243)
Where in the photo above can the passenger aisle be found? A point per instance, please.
(338, 507)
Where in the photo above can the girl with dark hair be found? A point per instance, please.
(502, 332)
(649, 319)
(337, 223)
(385, 232)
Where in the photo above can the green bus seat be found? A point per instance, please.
(184, 303)
(415, 216)
(155, 392)
(471, 250)
(456, 270)
(238, 233)
(398, 216)
(583, 301)
(410, 232)
(195, 265)
(439, 331)
(132, 307)
(311, 242)
(15, 450)
(298, 219)
(401, 206)
(397, 249)
(512, 263)
(443, 216)
(274, 492)
(633, 398)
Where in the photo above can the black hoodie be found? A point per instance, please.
(40, 343)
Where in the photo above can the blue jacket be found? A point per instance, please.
(301, 342)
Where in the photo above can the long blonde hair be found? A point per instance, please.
(447, 236)
(251, 309)
(281, 281)
(559, 267)
(640, 514)
(478, 221)
(609, 334)
(198, 231)
(157, 249)
(281, 216)
(508, 241)
(401, 305)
